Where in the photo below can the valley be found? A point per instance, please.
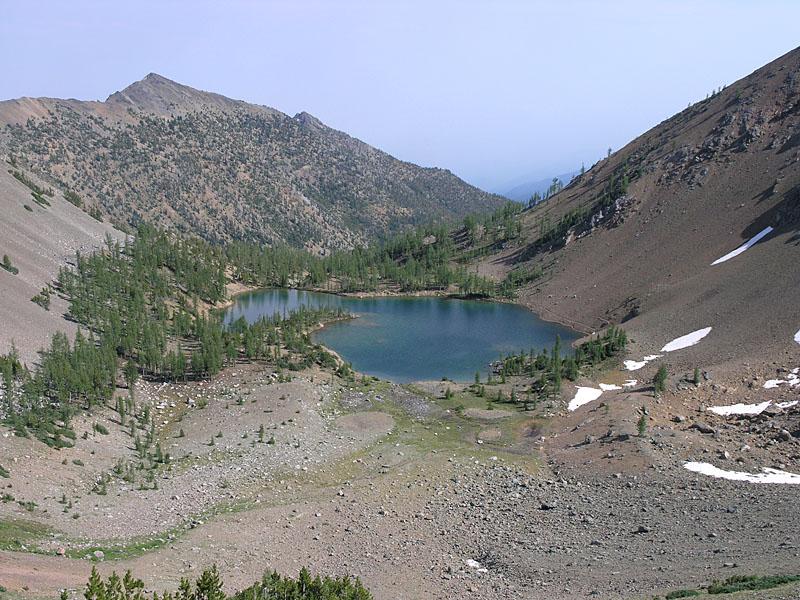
(239, 340)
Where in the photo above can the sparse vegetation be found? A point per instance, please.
(208, 586)
(641, 424)
(548, 369)
(740, 583)
(6, 264)
(736, 583)
(660, 380)
(43, 298)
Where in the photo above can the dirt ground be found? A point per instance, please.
(418, 495)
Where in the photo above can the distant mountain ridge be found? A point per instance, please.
(225, 169)
(523, 191)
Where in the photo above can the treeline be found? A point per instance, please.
(209, 586)
(549, 369)
(422, 259)
(144, 306)
(583, 218)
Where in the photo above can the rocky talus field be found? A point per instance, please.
(420, 494)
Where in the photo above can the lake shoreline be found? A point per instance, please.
(406, 341)
(548, 316)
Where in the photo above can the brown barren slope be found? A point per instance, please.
(701, 184)
(38, 242)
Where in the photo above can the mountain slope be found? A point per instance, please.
(522, 192)
(204, 163)
(633, 239)
(38, 239)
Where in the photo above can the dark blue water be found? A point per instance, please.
(413, 339)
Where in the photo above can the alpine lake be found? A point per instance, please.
(408, 338)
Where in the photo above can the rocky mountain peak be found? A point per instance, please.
(158, 94)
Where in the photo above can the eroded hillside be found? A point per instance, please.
(633, 239)
(227, 170)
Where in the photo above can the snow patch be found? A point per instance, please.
(740, 409)
(788, 404)
(629, 383)
(584, 395)
(748, 244)
(634, 365)
(474, 564)
(690, 339)
(797, 336)
(792, 380)
(766, 476)
(607, 387)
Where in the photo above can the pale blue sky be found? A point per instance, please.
(495, 91)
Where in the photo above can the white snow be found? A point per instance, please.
(629, 383)
(690, 339)
(792, 379)
(740, 409)
(584, 395)
(607, 387)
(766, 476)
(797, 336)
(788, 404)
(634, 365)
(748, 244)
(474, 564)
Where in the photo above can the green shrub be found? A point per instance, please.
(73, 198)
(660, 380)
(272, 586)
(682, 594)
(4, 472)
(6, 264)
(96, 214)
(641, 425)
(739, 583)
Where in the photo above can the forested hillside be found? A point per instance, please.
(226, 170)
(145, 310)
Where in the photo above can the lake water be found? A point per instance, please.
(413, 339)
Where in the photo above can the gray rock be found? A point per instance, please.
(703, 427)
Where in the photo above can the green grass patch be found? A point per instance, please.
(682, 594)
(16, 534)
(741, 583)
(737, 583)
(133, 548)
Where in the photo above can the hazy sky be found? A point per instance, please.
(496, 91)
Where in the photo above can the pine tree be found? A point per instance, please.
(660, 380)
